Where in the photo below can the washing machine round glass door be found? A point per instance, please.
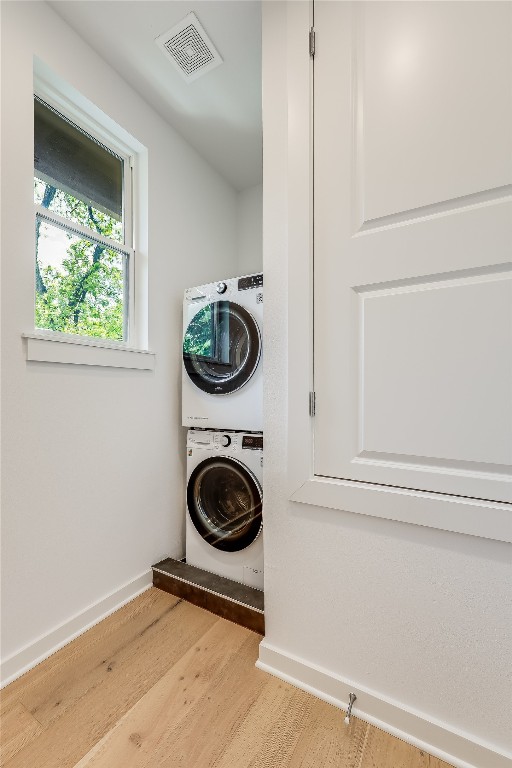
(224, 503)
(221, 347)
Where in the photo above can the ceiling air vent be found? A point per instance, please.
(189, 48)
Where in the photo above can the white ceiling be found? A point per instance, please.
(220, 112)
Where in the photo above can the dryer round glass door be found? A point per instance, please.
(224, 503)
(221, 347)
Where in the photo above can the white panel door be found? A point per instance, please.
(413, 245)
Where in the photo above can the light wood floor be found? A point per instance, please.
(163, 683)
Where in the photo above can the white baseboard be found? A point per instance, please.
(440, 739)
(33, 653)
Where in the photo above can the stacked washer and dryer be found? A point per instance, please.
(223, 409)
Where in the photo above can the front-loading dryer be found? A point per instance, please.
(224, 504)
(222, 380)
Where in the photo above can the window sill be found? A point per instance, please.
(49, 348)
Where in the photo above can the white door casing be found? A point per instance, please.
(413, 242)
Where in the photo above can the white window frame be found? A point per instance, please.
(132, 351)
(486, 519)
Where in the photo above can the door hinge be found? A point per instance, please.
(312, 403)
(312, 42)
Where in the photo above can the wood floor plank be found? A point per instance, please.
(233, 691)
(108, 694)
(326, 741)
(36, 685)
(18, 727)
(136, 737)
(164, 684)
(269, 732)
(86, 665)
(384, 751)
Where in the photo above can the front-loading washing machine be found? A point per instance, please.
(224, 504)
(222, 379)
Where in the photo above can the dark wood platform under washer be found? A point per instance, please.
(233, 601)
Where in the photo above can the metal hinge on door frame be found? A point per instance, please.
(312, 403)
(312, 42)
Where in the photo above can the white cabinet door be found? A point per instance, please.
(413, 245)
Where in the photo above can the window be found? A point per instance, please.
(84, 249)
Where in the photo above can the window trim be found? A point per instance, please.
(57, 347)
(78, 110)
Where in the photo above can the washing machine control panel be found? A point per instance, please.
(251, 281)
(233, 441)
(253, 442)
(200, 439)
(229, 440)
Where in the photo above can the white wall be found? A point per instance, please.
(250, 230)
(414, 619)
(93, 459)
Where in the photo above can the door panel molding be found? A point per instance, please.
(496, 196)
(410, 66)
(486, 519)
(489, 520)
(413, 319)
